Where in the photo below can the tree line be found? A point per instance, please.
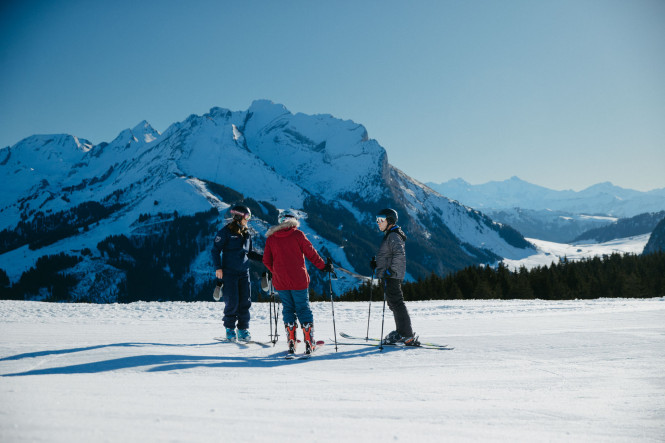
(45, 229)
(611, 276)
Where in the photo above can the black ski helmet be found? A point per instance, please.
(389, 214)
(239, 212)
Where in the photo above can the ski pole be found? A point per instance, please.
(384, 315)
(270, 317)
(274, 314)
(332, 303)
(369, 312)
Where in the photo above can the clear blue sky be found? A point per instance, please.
(564, 94)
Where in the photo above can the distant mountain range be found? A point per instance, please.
(134, 218)
(546, 214)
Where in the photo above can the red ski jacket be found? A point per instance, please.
(284, 254)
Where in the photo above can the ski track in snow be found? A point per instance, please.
(520, 371)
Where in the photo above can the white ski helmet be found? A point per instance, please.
(285, 215)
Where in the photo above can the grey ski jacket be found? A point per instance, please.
(391, 257)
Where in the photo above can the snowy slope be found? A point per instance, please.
(551, 252)
(587, 371)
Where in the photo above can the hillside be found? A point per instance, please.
(625, 227)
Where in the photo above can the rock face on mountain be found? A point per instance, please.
(657, 240)
(114, 207)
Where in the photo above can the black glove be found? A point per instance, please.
(327, 268)
(372, 263)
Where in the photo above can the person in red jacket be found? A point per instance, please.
(284, 255)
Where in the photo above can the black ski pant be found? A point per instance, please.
(395, 299)
(237, 295)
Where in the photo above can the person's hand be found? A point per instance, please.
(372, 263)
(219, 274)
(327, 268)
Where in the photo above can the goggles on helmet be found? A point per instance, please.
(240, 215)
(380, 218)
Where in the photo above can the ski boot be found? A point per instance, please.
(244, 335)
(291, 337)
(231, 334)
(392, 338)
(308, 333)
(410, 341)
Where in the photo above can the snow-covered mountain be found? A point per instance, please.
(561, 216)
(113, 204)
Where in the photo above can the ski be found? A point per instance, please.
(319, 345)
(241, 342)
(377, 342)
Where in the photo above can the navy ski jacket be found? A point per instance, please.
(236, 249)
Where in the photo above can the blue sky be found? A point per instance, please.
(564, 94)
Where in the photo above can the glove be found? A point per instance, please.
(327, 268)
(217, 293)
(372, 263)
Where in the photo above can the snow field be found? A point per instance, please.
(520, 371)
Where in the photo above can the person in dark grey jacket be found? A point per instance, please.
(390, 266)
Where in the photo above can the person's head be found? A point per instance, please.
(241, 214)
(386, 218)
(286, 215)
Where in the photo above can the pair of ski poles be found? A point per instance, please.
(274, 308)
(369, 313)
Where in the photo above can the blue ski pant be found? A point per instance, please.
(237, 297)
(295, 303)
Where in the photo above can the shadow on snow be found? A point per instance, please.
(177, 362)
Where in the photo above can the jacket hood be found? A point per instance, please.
(288, 224)
(397, 230)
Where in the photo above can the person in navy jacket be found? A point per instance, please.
(231, 253)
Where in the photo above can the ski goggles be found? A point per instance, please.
(241, 214)
(380, 218)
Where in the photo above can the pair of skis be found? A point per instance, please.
(294, 356)
(241, 342)
(288, 356)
